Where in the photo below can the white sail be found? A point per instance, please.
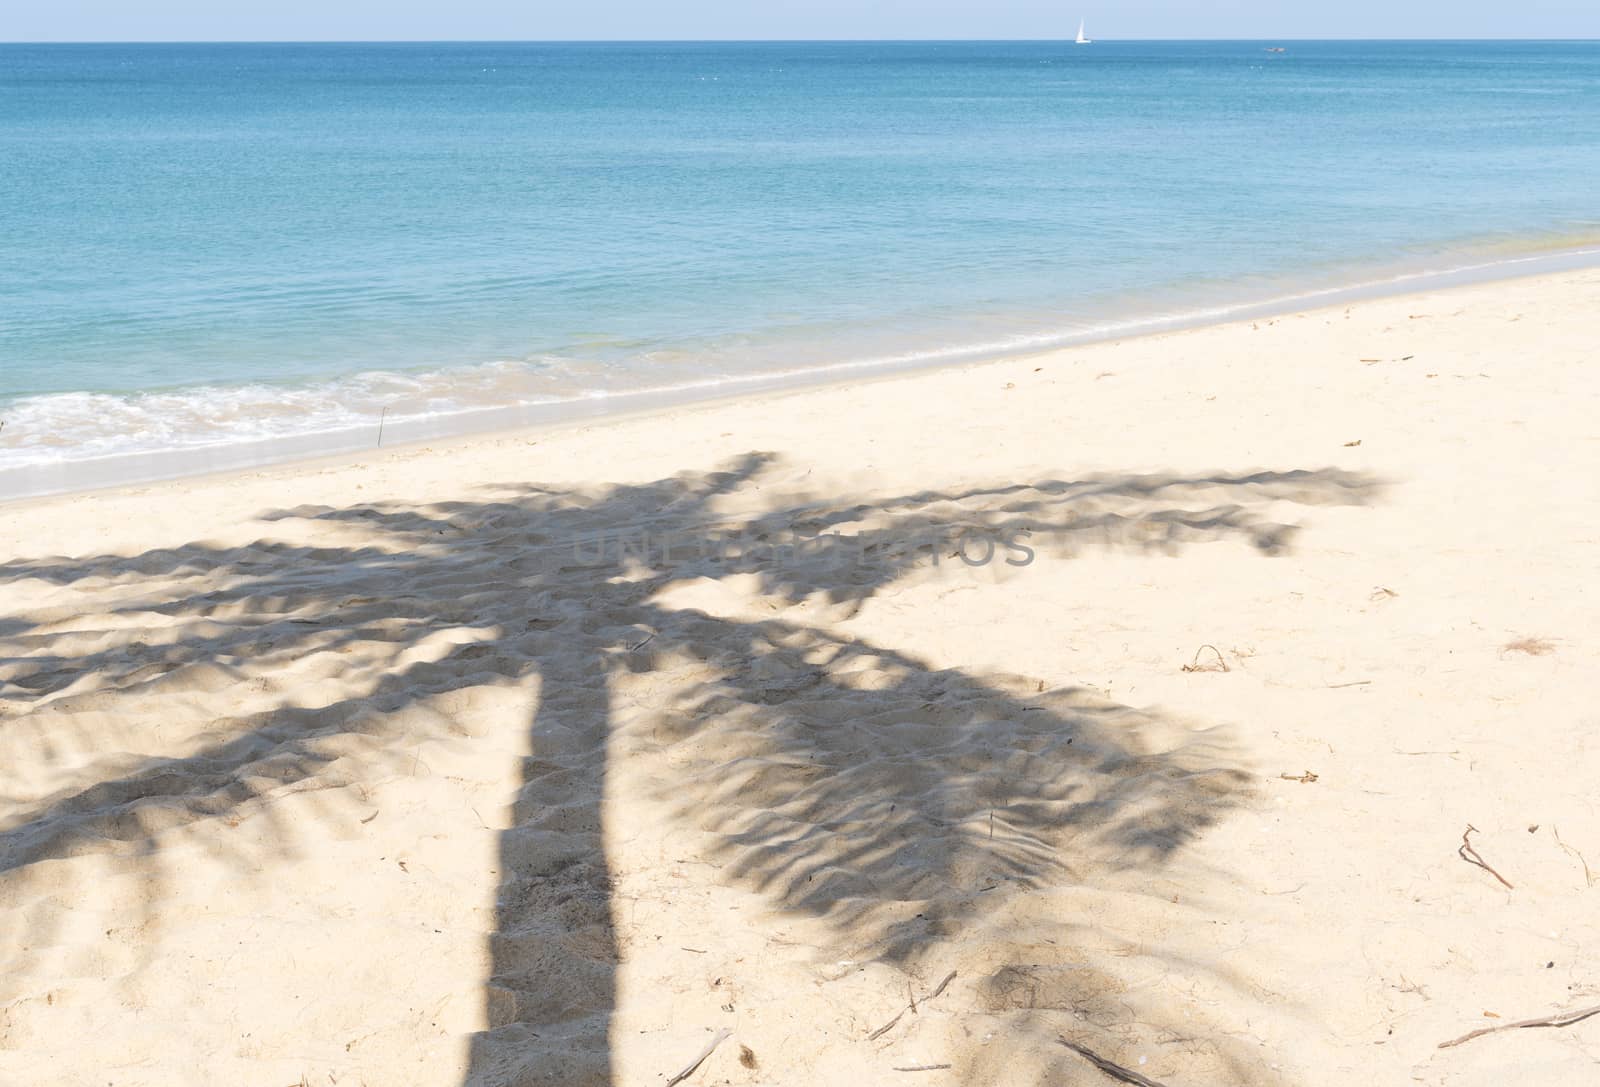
(1082, 38)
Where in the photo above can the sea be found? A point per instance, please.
(227, 254)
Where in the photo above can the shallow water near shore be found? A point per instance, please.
(226, 254)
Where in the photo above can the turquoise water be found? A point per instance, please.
(213, 244)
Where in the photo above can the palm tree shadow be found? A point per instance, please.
(865, 781)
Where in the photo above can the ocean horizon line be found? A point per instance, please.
(1064, 39)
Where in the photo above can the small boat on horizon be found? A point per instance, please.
(1082, 38)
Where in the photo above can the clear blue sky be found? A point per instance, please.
(342, 20)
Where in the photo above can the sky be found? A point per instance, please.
(575, 20)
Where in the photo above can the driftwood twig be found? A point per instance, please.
(1221, 664)
(1560, 1019)
(1110, 1068)
(923, 1068)
(1471, 856)
(881, 1031)
(1588, 878)
(721, 1036)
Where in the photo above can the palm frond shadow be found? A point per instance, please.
(903, 805)
(877, 776)
(878, 773)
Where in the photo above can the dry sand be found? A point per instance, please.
(399, 771)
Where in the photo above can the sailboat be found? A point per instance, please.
(1082, 38)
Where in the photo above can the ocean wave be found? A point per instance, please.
(61, 427)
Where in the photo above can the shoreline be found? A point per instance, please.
(33, 482)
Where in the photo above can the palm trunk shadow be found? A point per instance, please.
(552, 989)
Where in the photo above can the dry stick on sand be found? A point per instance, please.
(1110, 1068)
(1588, 878)
(1195, 666)
(1471, 856)
(721, 1036)
(924, 1068)
(1560, 1019)
(881, 1031)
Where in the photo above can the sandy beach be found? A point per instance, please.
(1137, 695)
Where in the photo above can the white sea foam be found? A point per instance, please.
(89, 425)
